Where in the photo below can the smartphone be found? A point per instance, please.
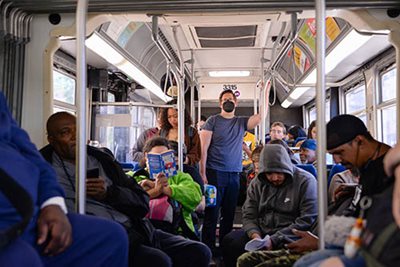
(92, 173)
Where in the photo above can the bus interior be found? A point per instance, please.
(141, 54)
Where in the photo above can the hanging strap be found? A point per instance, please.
(21, 200)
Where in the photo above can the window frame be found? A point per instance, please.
(380, 104)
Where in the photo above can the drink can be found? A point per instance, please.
(210, 195)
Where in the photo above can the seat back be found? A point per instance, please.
(298, 139)
(309, 168)
(130, 166)
(335, 169)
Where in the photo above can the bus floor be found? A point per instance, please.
(217, 260)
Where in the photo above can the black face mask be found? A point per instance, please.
(228, 106)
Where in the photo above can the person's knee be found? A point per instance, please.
(11, 255)
(201, 254)
(243, 260)
(149, 257)
(159, 260)
(119, 233)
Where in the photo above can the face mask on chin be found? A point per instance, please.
(228, 106)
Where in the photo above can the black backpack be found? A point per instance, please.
(381, 238)
(22, 201)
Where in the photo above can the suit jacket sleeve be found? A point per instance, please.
(48, 185)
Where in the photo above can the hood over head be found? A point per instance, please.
(274, 158)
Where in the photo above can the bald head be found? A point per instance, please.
(61, 134)
(54, 120)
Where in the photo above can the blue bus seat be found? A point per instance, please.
(309, 168)
(335, 169)
(298, 139)
(130, 166)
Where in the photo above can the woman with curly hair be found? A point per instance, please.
(169, 130)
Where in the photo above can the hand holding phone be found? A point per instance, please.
(93, 173)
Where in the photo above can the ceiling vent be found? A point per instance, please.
(226, 36)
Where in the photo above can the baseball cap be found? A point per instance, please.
(342, 129)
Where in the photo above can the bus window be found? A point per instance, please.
(355, 102)
(312, 112)
(64, 92)
(387, 107)
(118, 127)
(388, 88)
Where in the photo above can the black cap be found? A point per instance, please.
(342, 129)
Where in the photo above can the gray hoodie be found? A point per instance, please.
(276, 210)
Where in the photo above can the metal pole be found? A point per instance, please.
(81, 11)
(321, 128)
(181, 103)
(255, 104)
(192, 87)
(198, 104)
(262, 102)
(394, 38)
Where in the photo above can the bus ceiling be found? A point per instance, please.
(161, 7)
(228, 36)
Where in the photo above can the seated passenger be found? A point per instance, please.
(295, 132)
(341, 183)
(277, 131)
(137, 149)
(114, 196)
(350, 143)
(49, 235)
(255, 158)
(294, 158)
(281, 198)
(180, 187)
(308, 152)
(249, 144)
(312, 130)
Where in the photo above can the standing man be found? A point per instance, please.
(221, 162)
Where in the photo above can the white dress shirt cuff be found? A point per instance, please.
(59, 201)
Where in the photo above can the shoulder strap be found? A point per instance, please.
(371, 256)
(21, 200)
(382, 238)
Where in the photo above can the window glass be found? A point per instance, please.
(363, 117)
(389, 125)
(60, 109)
(355, 99)
(117, 128)
(110, 97)
(63, 87)
(313, 112)
(388, 81)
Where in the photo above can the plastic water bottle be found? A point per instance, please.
(210, 192)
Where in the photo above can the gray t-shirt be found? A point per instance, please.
(225, 150)
(66, 177)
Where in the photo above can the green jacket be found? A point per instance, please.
(184, 190)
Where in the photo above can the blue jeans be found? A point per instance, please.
(315, 258)
(227, 184)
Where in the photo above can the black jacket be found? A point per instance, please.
(124, 195)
